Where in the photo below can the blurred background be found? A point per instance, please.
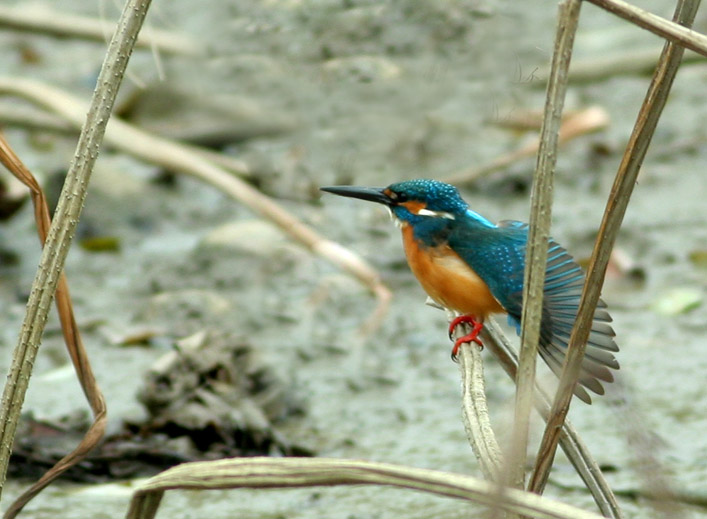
(310, 93)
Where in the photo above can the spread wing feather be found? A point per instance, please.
(497, 255)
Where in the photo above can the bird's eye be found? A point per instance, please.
(399, 197)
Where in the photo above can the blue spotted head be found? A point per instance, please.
(412, 201)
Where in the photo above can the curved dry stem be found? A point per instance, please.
(182, 159)
(307, 472)
(35, 119)
(72, 338)
(475, 412)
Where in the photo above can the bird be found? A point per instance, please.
(470, 265)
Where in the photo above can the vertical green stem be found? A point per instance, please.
(64, 224)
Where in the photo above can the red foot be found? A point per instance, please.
(473, 336)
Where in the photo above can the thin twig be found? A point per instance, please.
(182, 159)
(671, 31)
(62, 228)
(538, 236)
(63, 25)
(263, 472)
(570, 441)
(613, 216)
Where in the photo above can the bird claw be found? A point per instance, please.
(461, 319)
(473, 336)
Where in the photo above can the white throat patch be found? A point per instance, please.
(397, 221)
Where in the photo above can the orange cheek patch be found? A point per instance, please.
(414, 206)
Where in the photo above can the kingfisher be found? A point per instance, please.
(468, 264)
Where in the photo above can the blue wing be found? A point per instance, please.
(497, 255)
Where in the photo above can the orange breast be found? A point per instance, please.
(448, 279)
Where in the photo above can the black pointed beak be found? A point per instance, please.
(372, 194)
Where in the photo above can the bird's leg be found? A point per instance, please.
(473, 336)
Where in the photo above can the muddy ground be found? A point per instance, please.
(320, 93)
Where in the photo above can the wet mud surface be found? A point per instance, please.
(314, 94)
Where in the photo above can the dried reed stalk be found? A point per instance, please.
(616, 207)
(475, 412)
(577, 452)
(538, 237)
